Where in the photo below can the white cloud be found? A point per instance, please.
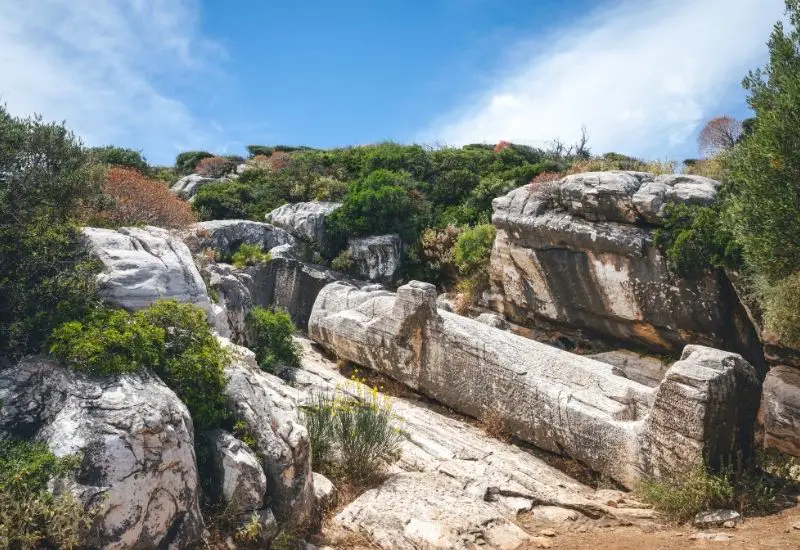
(102, 66)
(642, 76)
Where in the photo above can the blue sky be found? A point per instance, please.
(169, 75)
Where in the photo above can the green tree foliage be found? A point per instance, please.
(46, 272)
(255, 150)
(473, 249)
(31, 516)
(185, 162)
(249, 254)
(228, 200)
(271, 336)
(172, 339)
(764, 212)
(119, 156)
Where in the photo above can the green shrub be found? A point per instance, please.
(351, 436)
(779, 304)
(452, 186)
(255, 150)
(397, 158)
(185, 162)
(30, 515)
(224, 201)
(249, 254)
(119, 156)
(694, 239)
(473, 249)
(343, 262)
(47, 274)
(271, 334)
(172, 339)
(683, 499)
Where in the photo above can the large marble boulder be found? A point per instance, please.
(578, 255)
(780, 409)
(236, 477)
(703, 410)
(304, 220)
(376, 258)
(187, 186)
(226, 236)
(145, 264)
(136, 439)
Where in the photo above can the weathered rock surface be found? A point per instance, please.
(304, 220)
(145, 264)
(377, 258)
(136, 439)
(703, 410)
(261, 401)
(490, 319)
(644, 369)
(577, 255)
(226, 236)
(716, 518)
(187, 186)
(324, 493)
(236, 475)
(455, 486)
(780, 409)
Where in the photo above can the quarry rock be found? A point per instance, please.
(281, 443)
(579, 258)
(304, 220)
(136, 439)
(142, 265)
(236, 476)
(226, 236)
(703, 410)
(376, 258)
(644, 369)
(491, 319)
(324, 493)
(780, 409)
(716, 518)
(187, 186)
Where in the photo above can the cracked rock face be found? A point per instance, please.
(304, 220)
(226, 236)
(136, 439)
(187, 186)
(377, 258)
(578, 255)
(236, 475)
(703, 409)
(780, 409)
(281, 443)
(145, 264)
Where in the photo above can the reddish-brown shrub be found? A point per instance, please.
(215, 167)
(139, 200)
(501, 145)
(279, 160)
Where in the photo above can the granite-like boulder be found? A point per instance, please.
(226, 236)
(304, 220)
(376, 258)
(780, 409)
(136, 439)
(187, 187)
(651, 198)
(144, 264)
(236, 476)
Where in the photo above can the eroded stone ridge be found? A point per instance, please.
(578, 253)
(554, 399)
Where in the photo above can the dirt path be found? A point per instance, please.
(774, 532)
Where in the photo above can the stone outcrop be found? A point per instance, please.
(145, 264)
(187, 186)
(260, 401)
(235, 473)
(136, 439)
(644, 369)
(376, 258)
(578, 255)
(304, 220)
(780, 409)
(454, 486)
(226, 236)
(703, 410)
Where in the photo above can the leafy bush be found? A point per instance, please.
(693, 239)
(697, 492)
(351, 436)
(30, 515)
(326, 188)
(779, 304)
(185, 162)
(172, 339)
(47, 275)
(394, 157)
(271, 334)
(437, 249)
(215, 167)
(256, 150)
(473, 249)
(343, 262)
(221, 201)
(119, 156)
(135, 199)
(453, 186)
(249, 254)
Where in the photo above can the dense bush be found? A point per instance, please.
(119, 156)
(227, 200)
(256, 150)
(185, 162)
(473, 249)
(779, 303)
(270, 333)
(172, 339)
(249, 254)
(215, 167)
(135, 199)
(47, 181)
(31, 516)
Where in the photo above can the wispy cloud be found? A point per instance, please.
(110, 68)
(642, 76)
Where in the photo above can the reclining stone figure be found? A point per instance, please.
(703, 410)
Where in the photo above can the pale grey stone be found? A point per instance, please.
(644, 369)
(187, 186)
(304, 220)
(136, 439)
(237, 478)
(780, 405)
(324, 493)
(716, 518)
(377, 258)
(491, 319)
(554, 399)
(655, 193)
(226, 236)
